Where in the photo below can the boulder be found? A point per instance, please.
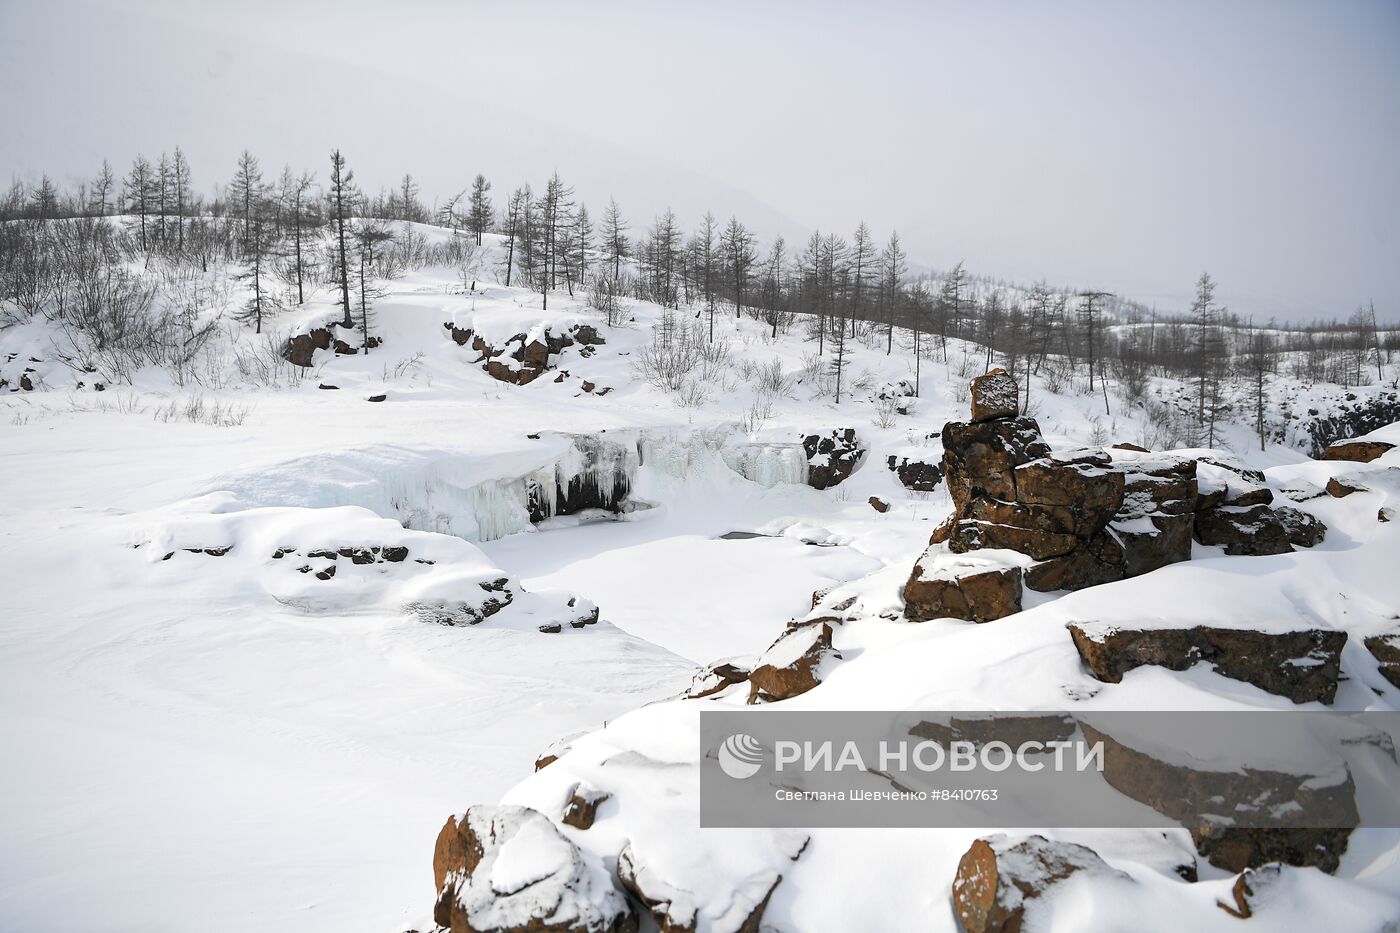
(1253, 530)
(1386, 650)
(879, 505)
(716, 678)
(831, 458)
(677, 910)
(998, 881)
(1303, 528)
(918, 475)
(1340, 489)
(582, 808)
(1134, 447)
(1153, 541)
(974, 590)
(793, 664)
(1357, 451)
(1089, 494)
(1301, 665)
(995, 395)
(508, 869)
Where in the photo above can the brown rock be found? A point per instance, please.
(980, 458)
(1339, 489)
(975, 592)
(1357, 451)
(716, 678)
(997, 881)
(1127, 446)
(582, 808)
(792, 665)
(1098, 560)
(1249, 889)
(1268, 660)
(301, 349)
(1092, 492)
(1033, 542)
(879, 505)
(995, 395)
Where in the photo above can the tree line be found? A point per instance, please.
(288, 235)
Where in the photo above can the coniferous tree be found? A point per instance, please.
(615, 244)
(247, 180)
(341, 198)
(137, 191)
(102, 188)
(892, 269)
(740, 256)
(479, 210)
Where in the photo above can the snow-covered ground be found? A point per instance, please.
(226, 743)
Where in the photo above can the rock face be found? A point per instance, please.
(1252, 530)
(1314, 813)
(1301, 665)
(1357, 451)
(997, 881)
(525, 357)
(918, 475)
(301, 349)
(974, 590)
(831, 458)
(983, 455)
(509, 870)
(1386, 650)
(793, 664)
(995, 395)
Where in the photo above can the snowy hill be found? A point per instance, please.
(287, 618)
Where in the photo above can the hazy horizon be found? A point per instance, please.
(1127, 148)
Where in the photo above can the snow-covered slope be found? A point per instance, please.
(223, 742)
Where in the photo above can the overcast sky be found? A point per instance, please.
(1119, 145)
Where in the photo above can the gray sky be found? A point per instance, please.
(1122, 145)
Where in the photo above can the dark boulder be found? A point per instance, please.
(1302, 665)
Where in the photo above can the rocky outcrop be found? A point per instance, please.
(524, 357)
(914, 474)
(1310, 816)
(1300, 665)
(300, 349)
(998, 881)
(793, 664)
(1087, 519)
(1354, 419)
(716, 678)
(831, 458)
(974, 590)
(509, 870)
(1357, 451)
